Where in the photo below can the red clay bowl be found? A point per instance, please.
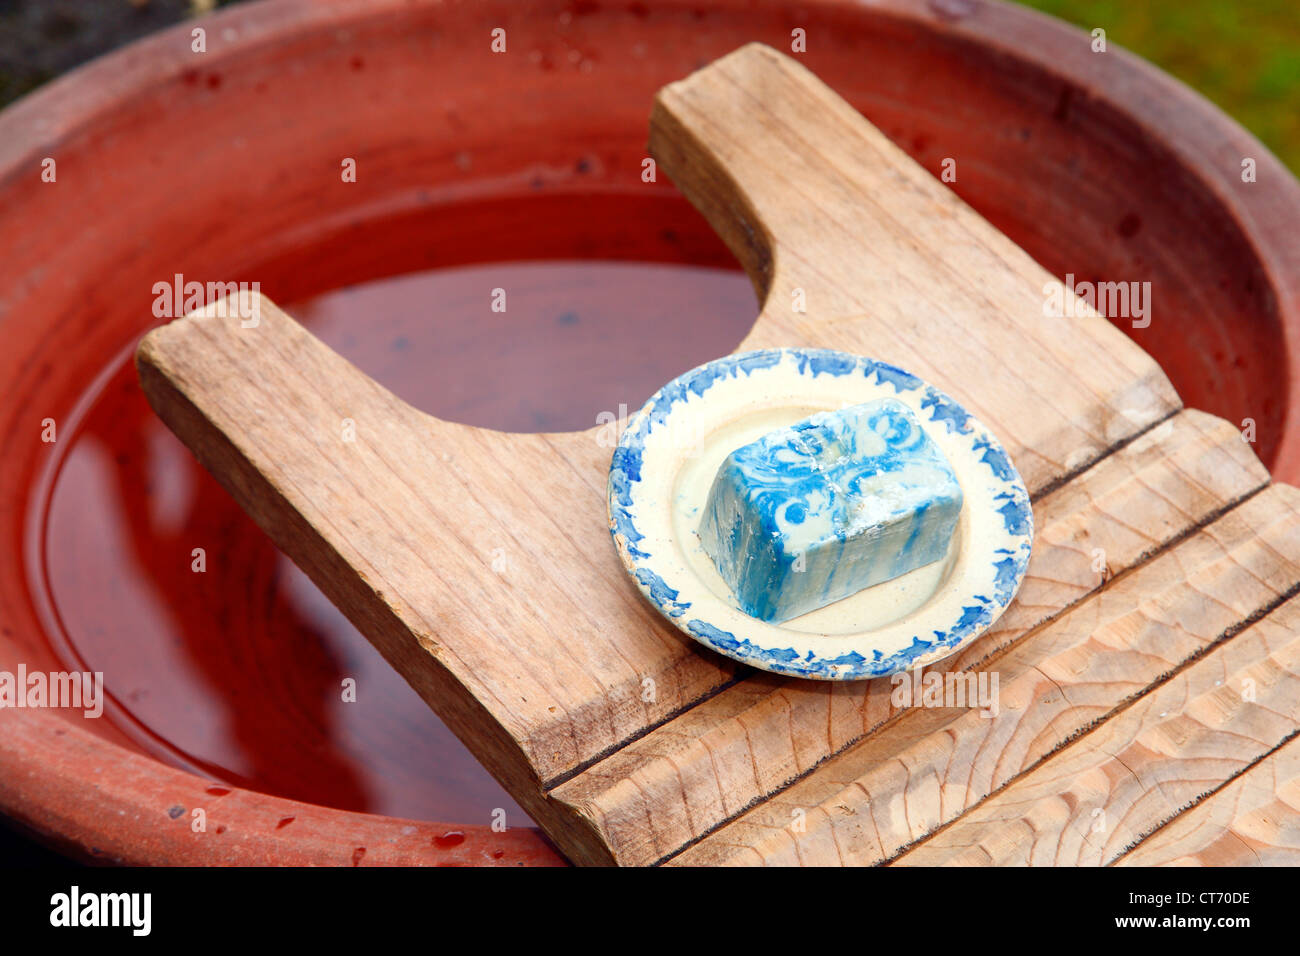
(225, 166)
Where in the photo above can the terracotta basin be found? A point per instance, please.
(224, 685)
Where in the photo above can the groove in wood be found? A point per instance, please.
(1253, 821)
(929, 766)
(1123, 780)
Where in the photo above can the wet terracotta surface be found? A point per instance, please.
(236, 672)
(226, 167)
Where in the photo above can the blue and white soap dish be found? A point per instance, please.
(664, 468)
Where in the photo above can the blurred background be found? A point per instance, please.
(1244, 55)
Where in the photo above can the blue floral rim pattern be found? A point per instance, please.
(978, 611)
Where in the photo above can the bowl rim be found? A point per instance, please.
(114, 817)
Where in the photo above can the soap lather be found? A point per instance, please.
(812, 513)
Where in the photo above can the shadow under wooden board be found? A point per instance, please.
(541, 671)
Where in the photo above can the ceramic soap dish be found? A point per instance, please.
(664, 467)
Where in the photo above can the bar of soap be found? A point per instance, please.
(810, 514)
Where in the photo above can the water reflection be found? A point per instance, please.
(236, 671)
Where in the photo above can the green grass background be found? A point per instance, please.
(1243, 55)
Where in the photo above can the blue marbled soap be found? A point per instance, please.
(862, 495)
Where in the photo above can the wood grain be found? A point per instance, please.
(1118, 784)
(1253, 821)
(401, 526)
(929, 766)
(811, 197)
(690, 775)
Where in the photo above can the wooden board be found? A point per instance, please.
(479, 562)
(1166, 751)
(1252, 821)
